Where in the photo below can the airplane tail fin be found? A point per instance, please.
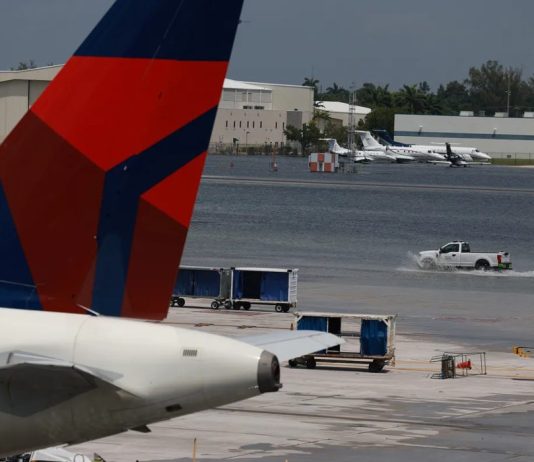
(385, 136)
(99, 178)
(368, 141)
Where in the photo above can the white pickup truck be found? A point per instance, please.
(458, 254)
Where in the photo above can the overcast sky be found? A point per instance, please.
(342, 41)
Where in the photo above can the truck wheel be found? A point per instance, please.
(482, 265)
(310, 362)
(181, 302)
(228, 304)
(376, 366)
(428, 264)
(292, 363)
(215, 305)
(246, 305)
(278, 308)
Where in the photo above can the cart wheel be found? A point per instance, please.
(310, 362)
(228, 304)
(174, 302)
(292, 363)
(285, 309)
(237, 306)
(278, 308)
(246, 305)
(376, 366)
(215, 305)
(181, 302)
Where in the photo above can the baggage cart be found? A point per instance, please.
(264, 286)
(369, 339)
(201, 282)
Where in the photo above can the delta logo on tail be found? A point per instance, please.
(99, 179)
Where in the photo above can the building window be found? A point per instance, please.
(253, 124)
(234, 123)
(261, 124)
(226, 124)
(259, 107)
(239, 124)
(283, 125)
(276, 125)
(248, 124)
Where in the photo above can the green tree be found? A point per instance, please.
(24, 65)
(411, 99)
(454, 97)
(308, 136)
(373, 96)
(334, 93)
(489, 85)
(312, 82)
(379, 118)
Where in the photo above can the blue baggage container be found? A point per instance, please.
(199, 282)
(265, 286)
(376, 335)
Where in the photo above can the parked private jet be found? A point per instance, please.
(468, 154)
(97, 187)
(454, 159)
(363, 156)
(371, 144)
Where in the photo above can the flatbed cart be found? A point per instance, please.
(201, 282)
(264, 286)
(369, 339)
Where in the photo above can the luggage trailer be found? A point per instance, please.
(236, 288)
(369, 339)
(201, 282)
(263, 286)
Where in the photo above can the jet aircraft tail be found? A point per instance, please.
(99, 178)
(369, 143)
(387, 138)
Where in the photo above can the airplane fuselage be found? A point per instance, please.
(120, 375)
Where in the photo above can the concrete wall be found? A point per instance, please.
(249, 127)
(496, 136)
(290, 97)
(13, 104)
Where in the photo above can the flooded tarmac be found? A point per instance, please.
(354, 238)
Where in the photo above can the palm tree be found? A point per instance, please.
(312, 82)
(412, 99)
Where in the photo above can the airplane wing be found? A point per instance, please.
(292, 344)
(32, 383)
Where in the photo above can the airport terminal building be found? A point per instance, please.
(498, 136)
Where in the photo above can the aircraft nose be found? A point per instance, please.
(268, 373)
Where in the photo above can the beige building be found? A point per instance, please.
(253, 114)
(18, 91)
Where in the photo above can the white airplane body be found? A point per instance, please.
(367, 155)
(93, 216)
(469, 154)
(370, 144)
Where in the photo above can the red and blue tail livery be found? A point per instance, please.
(99, 178)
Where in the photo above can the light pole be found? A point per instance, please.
(508, 92)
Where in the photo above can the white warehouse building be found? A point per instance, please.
(497, 136)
